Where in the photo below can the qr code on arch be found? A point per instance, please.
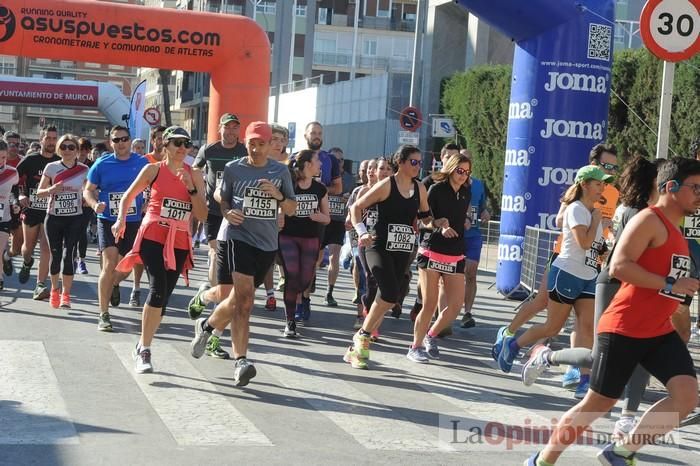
(599, 41)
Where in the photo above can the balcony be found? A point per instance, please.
(344, 60)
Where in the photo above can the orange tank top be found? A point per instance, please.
(643, 312)
(169, 200)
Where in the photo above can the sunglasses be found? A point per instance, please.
(415, 162)
(609, 166)
(461, 171)
(182, 142)
(12, 144)
(121, 139)
(694, 187)
(67, 147)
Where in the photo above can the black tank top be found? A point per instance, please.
(395, 218)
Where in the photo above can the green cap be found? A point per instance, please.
(227, 118)
(175, 132)
(592, 172)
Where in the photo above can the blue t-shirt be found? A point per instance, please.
(477, 206)
(113, 177)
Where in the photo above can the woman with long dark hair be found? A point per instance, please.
(399, 200)
(300, 237)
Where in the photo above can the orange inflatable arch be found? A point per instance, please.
(233, 49)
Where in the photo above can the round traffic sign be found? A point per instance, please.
(411, 119)
(152, 116)
(671, 28)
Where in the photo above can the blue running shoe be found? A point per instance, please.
(582, 387)
(506, 358)
(571, 378)
(299, 313)
(496, 348)
(608, 457)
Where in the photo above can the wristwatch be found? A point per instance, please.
(194, 191)
(670, 281)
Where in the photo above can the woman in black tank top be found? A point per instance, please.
(399, 200)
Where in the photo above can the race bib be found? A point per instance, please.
(443, 267)
(258, 204)
(37, 203)
(354, 238)
(680, 268)
(371, 219)
(336, 206)
(592, 256)
(219, 177)
(307, 204)
(474, 215)
(175, 209)
(114, 200)
(691, 226)
(400, 238)
(65, 204)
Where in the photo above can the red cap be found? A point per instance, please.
(260, 130)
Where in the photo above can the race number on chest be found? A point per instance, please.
(175, 209)
(400, 238)
(259, 204)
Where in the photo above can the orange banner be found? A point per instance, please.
(232, 48)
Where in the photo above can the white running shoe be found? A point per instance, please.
(536, 365)
(623, 427)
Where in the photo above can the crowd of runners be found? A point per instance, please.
(628, 273)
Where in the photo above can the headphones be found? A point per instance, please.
(671, 186)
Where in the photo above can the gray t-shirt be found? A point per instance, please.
(213, 158)
(240, 187)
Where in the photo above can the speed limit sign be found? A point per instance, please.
(671, 28)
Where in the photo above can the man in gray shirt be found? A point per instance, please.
(253, 191)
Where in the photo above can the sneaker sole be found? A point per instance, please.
(246, 377)
(218, 356)
(148, 370)
(419, 361)
(105, 329)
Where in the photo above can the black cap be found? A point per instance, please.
(175, 132)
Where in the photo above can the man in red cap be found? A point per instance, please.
(253, 190)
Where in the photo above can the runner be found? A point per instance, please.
(358, 275)
(157, 148)
(478, 215)
(88, 216)
(252, 190)
(30, 170)
(212, 159)
(334, 234)
(571, 277)
(441, 256)
(399, 200)
(138, 146)
(13, 142)
(652, 261)
(278, 152)
(163, 241)
(62, 182)
(8, 180)
(299, 239)
(108, 179)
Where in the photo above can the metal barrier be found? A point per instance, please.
(537, 249)
(490, 233)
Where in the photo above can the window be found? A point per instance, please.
(369, 47)
(325, 45)
(325, 15)
(383, 14)
(92, 65)
(400, 48)
(409, 16)
(266, 7)
(301, 10)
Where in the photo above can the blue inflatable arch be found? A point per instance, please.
(558, 108)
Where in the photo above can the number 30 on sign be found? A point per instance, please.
(671, 28)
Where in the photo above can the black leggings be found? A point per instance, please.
(299, 257)
(389, 270)
(62, 234)
(162, 281)
(81, 248)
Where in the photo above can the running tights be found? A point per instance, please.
(299, 257)
(62, 234)
(162, 281)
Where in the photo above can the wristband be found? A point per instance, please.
(360, 228)
(422, 215)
